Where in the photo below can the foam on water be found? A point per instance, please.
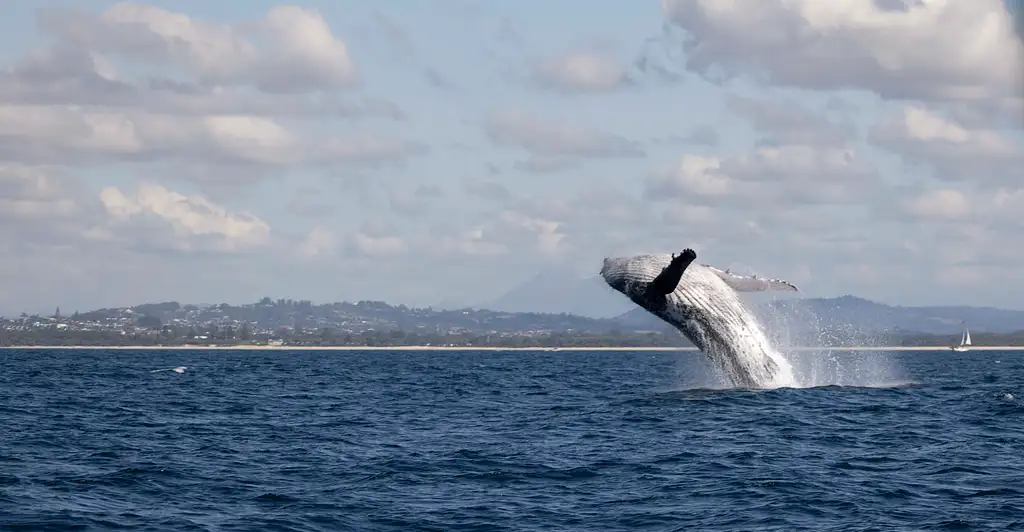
(179, 369)
(826, 367)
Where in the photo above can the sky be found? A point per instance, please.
(420, 151)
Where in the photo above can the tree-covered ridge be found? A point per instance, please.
(375, 323)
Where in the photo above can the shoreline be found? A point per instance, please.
(487, 348)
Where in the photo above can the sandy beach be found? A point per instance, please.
(438, 348)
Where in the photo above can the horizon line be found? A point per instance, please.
(481, 348)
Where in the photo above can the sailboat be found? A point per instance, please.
(965, 342)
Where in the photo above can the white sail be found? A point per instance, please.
(965, 342)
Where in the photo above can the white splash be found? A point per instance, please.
(179, 369)
(815, 363)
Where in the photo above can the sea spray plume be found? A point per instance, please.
(824, 349)
(702, 303)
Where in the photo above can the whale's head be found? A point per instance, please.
(647, 280)
(629, 275)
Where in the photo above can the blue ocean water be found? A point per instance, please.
(335, 440)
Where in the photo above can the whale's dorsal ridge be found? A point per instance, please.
(752, 283)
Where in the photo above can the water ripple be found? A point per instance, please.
(317, 441)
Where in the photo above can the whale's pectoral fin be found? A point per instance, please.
(744, 283)
(666, 281)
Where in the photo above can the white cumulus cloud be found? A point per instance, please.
(190, 217)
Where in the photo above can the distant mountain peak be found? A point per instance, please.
(559, 289)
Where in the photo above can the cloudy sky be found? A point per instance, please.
(425, 151)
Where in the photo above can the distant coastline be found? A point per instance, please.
(848, 321)
(465, 348)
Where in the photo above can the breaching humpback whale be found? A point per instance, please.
(702, 302)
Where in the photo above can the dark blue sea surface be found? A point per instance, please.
(430, 440)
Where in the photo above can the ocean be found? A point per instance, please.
(281, 440)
